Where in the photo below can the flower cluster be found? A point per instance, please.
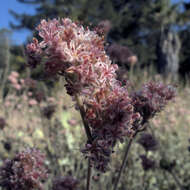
(148, 142)
(147, 163)
(151, 99)
(14, 79)
(65, 183)
(109, 125)
(78, 54)
(48, 111)
(68, 49)
(121, 54)
(24, 172)
(21, 83)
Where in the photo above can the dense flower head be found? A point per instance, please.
(152, 98)
(148, 142)
(70, 48)
(65, 183)
(24, 172)
(121, 54)
(111, 119)
(48, 111)
(147, 163)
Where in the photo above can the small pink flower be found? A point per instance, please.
(19, 106)
(72, 122)
(15, 74)
(12, 79)
(22, 81)
(7, 104)
(51, 100)
(29, 93)
(32, 102)
(25, 98)
(17, 86)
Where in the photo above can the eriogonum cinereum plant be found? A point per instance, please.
(108, 111)
(78, 54)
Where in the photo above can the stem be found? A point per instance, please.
(177, 180)
(123, 163)
(89, 136)
(88, 175)
(144, 176)
(82, 112)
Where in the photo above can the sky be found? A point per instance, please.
(18, 37)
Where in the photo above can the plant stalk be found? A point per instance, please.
(82, 112)
(177, 180)
(88, 175)
(89, 136)
(123, 163)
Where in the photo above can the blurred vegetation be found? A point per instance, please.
(40, 113)
(53, 125)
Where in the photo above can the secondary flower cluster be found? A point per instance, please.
(147, 163)
(148, 142)
(151, 99)
(24, 172)
(69, 49)
(109, 125)
(65, 183)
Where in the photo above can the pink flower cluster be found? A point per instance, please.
(151, 99)
(14, 79)
(19, 83)
(78, 54)
(25, 171)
